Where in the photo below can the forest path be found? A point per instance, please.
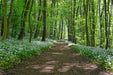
(60, 59)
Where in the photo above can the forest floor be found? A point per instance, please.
(60, 59)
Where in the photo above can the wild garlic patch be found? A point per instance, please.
(101, 56)
(13, 50)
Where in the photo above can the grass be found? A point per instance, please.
(102, 57)
(12, 51)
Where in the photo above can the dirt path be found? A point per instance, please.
(59, 60)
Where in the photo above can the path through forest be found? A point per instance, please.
(60, 59)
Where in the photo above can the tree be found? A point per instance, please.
(9, 18)
(73, 23)
(24, 16)
(30, 26)
(39, 19)
(86, 25)
(93, 25)
(44, 21)
(5, 20)
(106, 24)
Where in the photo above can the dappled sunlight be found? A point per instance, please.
(104, 73)
(47, 58)
(1, 73)
(63, 49)
(61, 60)
(60, 43)
(50, 67)
(64, 69)
(36, 67)
(67, 47)
(57, 53)
(86, 66)
(47, 68)
(76, 54)
(67, 67)
(51, 62)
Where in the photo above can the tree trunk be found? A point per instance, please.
(5, 20)
(39, 19)
(69, 30)
(101, 25)
(2, 27)
(62, 29)
(9, 18)
(106, 23)
(22, 31)
(44, 20)
(73, 24)
(30, 26)
(86, 25)
(93, 25)
(1, 17)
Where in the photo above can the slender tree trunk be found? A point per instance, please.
(93, 25)
(73, 23)
(86, 25)
(106, 23)
(9, 18)
(0, 4)
(44, 20)
(55, 29)
(109, 24)
(59, 31)
(101, 25)
(22, 31)
(51, 22)
(62, 28)
(69, 30)
(14, 24)
(39, 19)
(30, 26)
(2, 17)
(70, 26)
(5, 20)
(2, 27)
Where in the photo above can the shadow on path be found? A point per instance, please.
(60, 59)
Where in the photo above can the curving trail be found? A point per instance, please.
(60, 59)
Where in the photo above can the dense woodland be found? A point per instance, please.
(28, 27)
(86, 22)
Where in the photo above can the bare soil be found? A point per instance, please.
(60, 59)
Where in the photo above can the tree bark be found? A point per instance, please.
(9, 19)
(30, 26)
(106, 23)
(5, 20)
(93, 25)
(86, 25)
(39, 19)
(44, 21)
(101, 25)
(73, 23)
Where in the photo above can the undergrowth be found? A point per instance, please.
(102, 57)
(12, 51)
